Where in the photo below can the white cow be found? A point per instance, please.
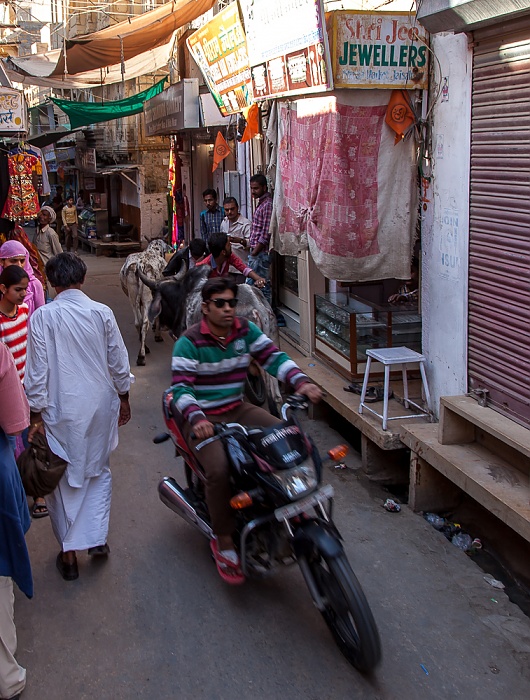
(151, 262)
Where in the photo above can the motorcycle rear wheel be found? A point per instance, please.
(347, 613)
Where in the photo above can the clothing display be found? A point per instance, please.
(22, 202)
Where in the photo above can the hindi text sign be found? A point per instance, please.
(12, 110)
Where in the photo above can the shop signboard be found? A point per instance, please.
(12, 110)
(378, 50)
(174, 109)
(85, 159)
(220, 50)
(287, 47)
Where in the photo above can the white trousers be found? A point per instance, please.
(12, 675)
(80, 516)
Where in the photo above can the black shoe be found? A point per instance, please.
(102, 550)
(68, 571)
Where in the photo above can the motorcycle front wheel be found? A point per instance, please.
(346, 611)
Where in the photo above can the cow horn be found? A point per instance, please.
(153, 286)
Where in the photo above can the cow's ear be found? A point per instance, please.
(155, 307)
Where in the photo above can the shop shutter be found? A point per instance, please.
(499, 255)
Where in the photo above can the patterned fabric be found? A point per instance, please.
(22, 201)
(211, 222)
(260, 229)
(14, 334)
(209, 376)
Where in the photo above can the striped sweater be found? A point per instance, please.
(209, 377)
(14, 334)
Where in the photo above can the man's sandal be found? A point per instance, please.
(39, 510)
(228, 570)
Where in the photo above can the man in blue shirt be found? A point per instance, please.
(14, 523)
(212, 216)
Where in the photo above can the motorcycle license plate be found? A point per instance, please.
(320, 496)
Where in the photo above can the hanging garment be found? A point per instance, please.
(22, 202)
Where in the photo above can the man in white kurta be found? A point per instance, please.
(77, 384)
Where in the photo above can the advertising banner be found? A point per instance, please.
(379, 50)
(288, 47)
(12, 110)
(174, 109)
(220, 50)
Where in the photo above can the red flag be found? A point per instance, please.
(220, 151)
(251, 114)
(399, 115)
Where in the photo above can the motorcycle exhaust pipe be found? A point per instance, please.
(173, 496)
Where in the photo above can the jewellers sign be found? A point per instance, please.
(378, 50)
(287, 47)
(220, 50)
(12, 110)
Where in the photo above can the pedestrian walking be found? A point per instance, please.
(70, 220)
(260, 236)
(14, 523)
(77, 384)
(46, 239)
(14, 253)
(14, 314)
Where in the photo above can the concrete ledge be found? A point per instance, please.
(490, 480)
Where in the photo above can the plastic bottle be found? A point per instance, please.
(435, 520)
(462, 541)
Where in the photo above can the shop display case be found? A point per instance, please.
(346, 326)
(93, 223)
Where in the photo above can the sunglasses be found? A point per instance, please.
(219, 303)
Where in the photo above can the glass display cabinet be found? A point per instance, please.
(346, 326)
(93, 223)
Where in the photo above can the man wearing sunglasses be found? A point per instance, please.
(209, 368)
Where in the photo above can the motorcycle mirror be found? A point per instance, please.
(162, 437)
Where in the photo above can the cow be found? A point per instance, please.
(177, 305)
(150, 263)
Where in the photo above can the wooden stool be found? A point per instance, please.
(389, 357)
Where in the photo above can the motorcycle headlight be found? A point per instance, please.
(298, 480)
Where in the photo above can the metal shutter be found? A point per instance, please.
(499, 235)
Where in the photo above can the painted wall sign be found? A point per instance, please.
(12, 110)
(287, 47)
(220, 50)
(378, 50)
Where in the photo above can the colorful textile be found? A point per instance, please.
(211, 222)
(260, 229)
(209, 376)
(22, 203)
(342, 189)
(35, 292)
(14, 334)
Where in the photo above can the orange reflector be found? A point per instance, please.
(338, 452)
(241, 500)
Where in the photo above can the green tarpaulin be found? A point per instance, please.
(85, 113)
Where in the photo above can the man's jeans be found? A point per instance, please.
(261, 264)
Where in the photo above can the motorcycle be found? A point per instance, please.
(284, 516)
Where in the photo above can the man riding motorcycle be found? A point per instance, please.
(209, 368)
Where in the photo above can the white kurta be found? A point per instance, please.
(77, 364)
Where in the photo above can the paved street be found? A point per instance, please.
(156, 621)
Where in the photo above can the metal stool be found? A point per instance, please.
(395, 356)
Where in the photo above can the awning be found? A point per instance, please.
(122, 41)
(85, 113)
(28, 70)
(49, 137)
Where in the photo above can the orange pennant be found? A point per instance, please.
(399, 116)
(251, 114)
(220, 151)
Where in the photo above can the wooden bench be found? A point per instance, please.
(94, 245)
(475, 450)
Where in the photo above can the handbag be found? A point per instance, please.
(40, 469)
